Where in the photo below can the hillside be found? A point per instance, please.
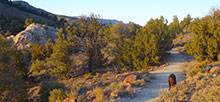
(69, 19)
(12, 12)
(26, 4)
(183, 39)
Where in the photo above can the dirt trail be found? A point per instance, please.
(150, 92)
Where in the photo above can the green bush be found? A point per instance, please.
(117, 89)
(37, 66)
(10, 26)
(139, 82)
(205, 45)
(48, 86)
(57, 95)
(39, 52)
(60, 58)
(28, 21)
(147, 47)
(13, 86)
(174, 27)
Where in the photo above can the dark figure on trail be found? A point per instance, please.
(167, 63)
(171, 80)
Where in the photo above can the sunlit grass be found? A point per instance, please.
(201, 85)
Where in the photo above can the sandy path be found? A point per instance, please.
(160, 84)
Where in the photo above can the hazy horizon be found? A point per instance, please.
(128, 10)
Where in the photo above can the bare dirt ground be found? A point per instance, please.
(150, 92)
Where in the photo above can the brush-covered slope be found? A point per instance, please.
(12, 12)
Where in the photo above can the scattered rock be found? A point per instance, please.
(130, 79)
(69, 100)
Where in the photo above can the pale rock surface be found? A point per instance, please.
(35, 33)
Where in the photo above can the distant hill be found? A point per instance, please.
(183, 39)
(69, 19)
(30, 6)
(112, 21)
(12, 12)
(74, 19)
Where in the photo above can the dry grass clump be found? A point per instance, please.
(99, 94)
(195, 70)
(57, 95)
(198, 68)
(201, 85)
(116, 89)
(87, 75)
(41, 91)
(210, 93)
(98, 87)
(103, 87)
(173, 96)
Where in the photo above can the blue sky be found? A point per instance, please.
(137, 11)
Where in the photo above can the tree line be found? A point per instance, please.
(129, 47)
(206, 41)
(30, 10)
(13, 25)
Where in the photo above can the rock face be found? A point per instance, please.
(69, 100)
(35, 33)
(130, 79)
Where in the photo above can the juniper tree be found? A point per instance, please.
(174, 27)
(12, 73)
(93, 41)
(147, 47)
(206, 43)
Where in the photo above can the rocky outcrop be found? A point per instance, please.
(69, 100)
(130, 79)
(35, 33)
